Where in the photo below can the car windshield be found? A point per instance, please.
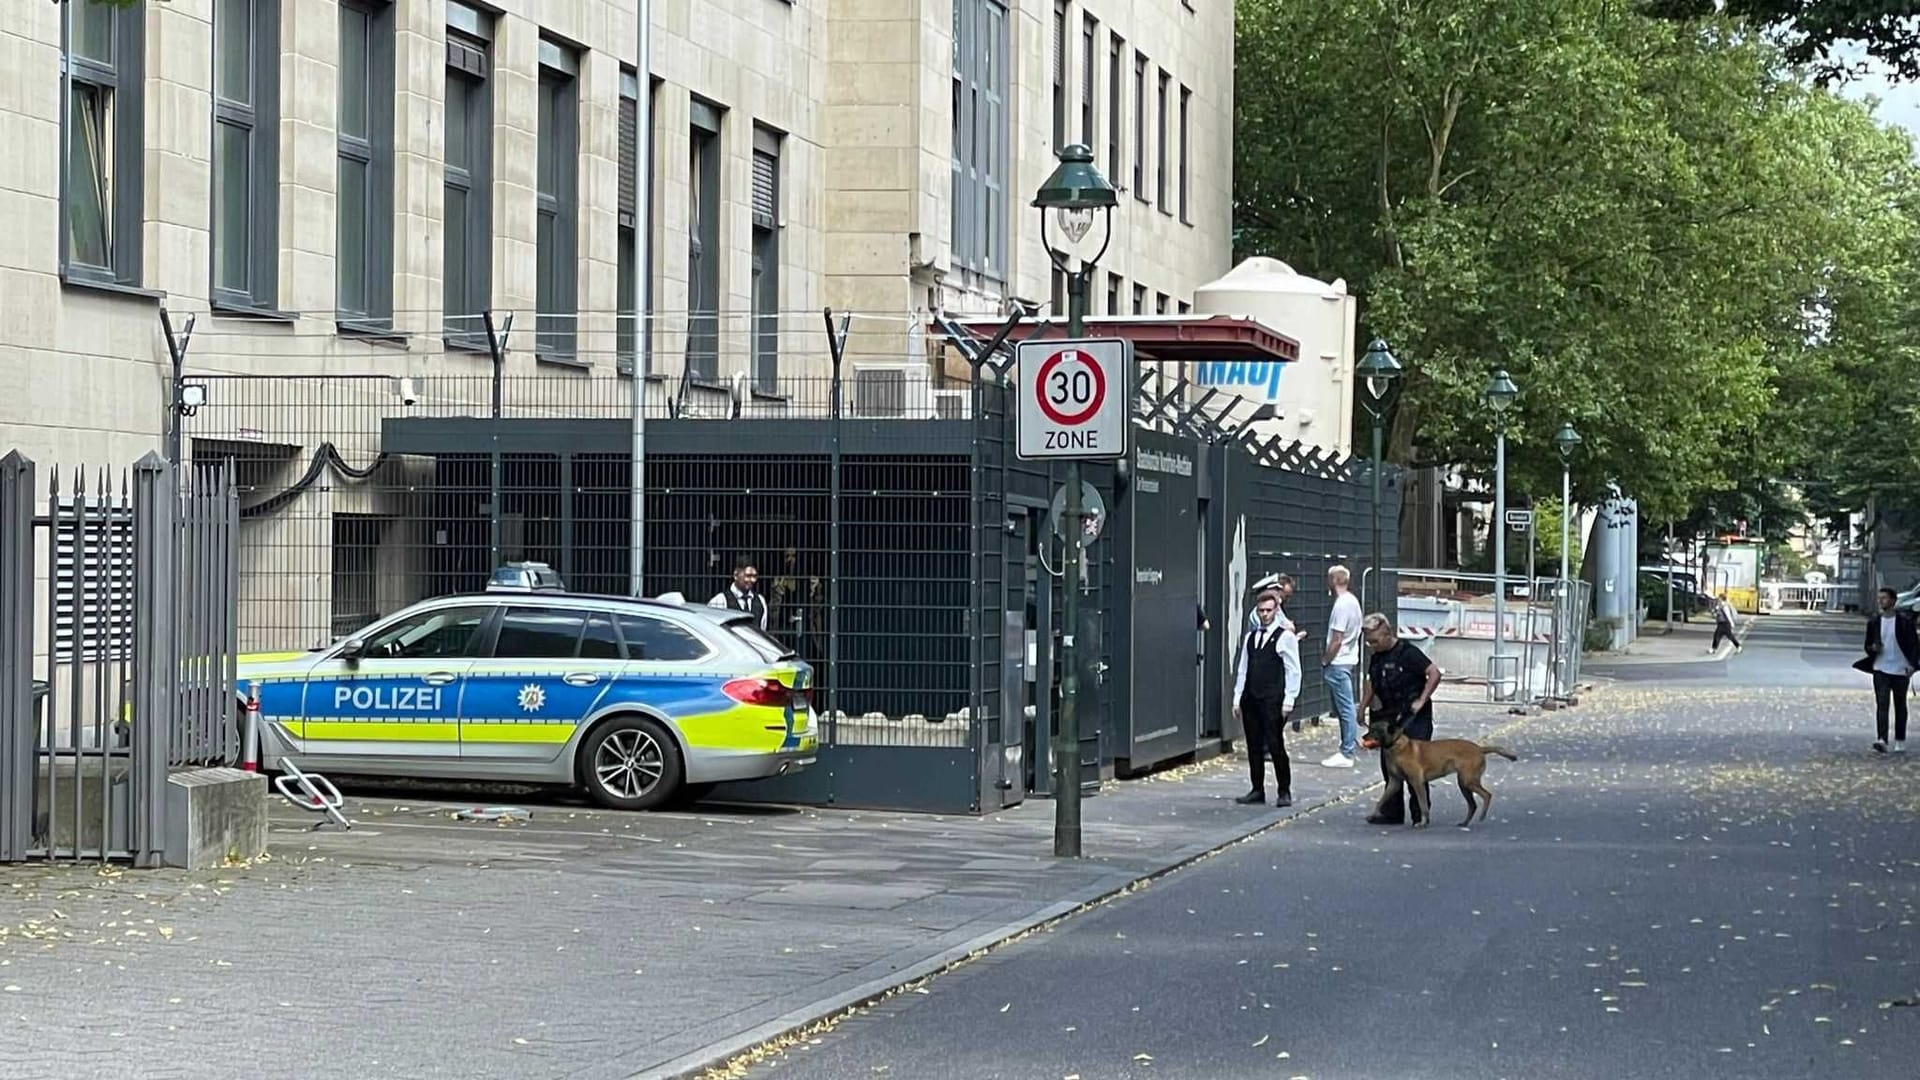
(769, 649)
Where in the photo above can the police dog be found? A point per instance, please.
(1420, 762)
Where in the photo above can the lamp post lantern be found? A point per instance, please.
(1378, 372)
(1566, 440)
(1499, 396)
(1075, 194)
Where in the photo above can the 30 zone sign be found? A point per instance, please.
(1073, 398)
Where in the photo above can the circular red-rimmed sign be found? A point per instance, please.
(1078, 400)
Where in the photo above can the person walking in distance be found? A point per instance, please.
(743, 593)
(1265, 688)
(1400, 684)
(1723, 624)
(1893, 655)
(1339, 660)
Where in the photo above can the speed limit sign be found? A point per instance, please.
(1073, 398)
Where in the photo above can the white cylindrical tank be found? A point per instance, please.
(1313, 396)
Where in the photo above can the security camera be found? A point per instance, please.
(406, 391)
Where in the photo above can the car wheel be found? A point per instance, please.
(631, 763)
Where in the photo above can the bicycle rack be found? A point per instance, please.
(311, 795)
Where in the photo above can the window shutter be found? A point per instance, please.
(629, 161)
(766, 173)
(464, 57)
(1060, 44)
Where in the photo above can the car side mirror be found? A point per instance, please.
(352, 649)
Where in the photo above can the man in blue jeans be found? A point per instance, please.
(1340, 659)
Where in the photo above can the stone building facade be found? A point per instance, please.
(335, 191)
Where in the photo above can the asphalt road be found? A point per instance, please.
(1712, 877)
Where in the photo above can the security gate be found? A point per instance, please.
(117, 631)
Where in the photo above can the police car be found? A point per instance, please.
(639, 702)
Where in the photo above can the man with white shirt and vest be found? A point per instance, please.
(1265, 688)
(743, 594)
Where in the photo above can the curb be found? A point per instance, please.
(827, 1011)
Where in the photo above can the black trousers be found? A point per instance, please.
(1723, 630)
(1395, 806)
(1890, 687)
(1265, 734)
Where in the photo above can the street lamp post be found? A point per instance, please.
(1566, 440)
(1499, 396)
(1378, 371)
(1074, 193)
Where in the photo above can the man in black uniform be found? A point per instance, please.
(1264, 691)
(1400, 684)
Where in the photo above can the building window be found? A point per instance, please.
(100, 179)
(1139, 299)
(246, 155)
(1160, 181)
(1160, 303)
(1185, 308)
(979, 228)
(1088, 82)
(1140, 126)
(1113, 295)
(1059, 74)
(468, 229)
(627, 222)
(766, 260)
(1116, 82)
(364, 207)
(1186, 155)
(703, 244)
(557, 198)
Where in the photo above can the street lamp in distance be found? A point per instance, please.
(1566, 440)
(1074, 196)
(1379, 372)
(1499, 396)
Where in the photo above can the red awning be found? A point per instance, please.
(1171, 339)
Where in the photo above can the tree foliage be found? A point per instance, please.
(1812, 30)
(1663, 231)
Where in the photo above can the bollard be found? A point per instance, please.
(250, 731)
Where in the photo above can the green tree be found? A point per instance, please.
(1638, 218)
(1815, 29)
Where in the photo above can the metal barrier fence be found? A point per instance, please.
(1779, 596)
(117, 625)
(364, 490)
(1450, 615)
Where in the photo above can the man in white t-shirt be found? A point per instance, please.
(1340, 659)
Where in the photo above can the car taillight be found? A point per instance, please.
(769, 692)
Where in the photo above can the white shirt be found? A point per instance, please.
(1276, 637)
(1890, 661)
(1346, 621)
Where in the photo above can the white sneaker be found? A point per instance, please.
(1899, 746)
(1338, 761)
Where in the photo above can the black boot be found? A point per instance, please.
(1285, 800)
(1252, 798)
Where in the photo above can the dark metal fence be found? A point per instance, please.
(121, 668)
(904, 549)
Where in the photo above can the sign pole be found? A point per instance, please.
(1066, 796)
(1075, 399)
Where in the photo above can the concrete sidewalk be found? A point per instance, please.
(1686, 645)
(582, 943)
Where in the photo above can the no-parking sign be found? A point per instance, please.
(1074, 397)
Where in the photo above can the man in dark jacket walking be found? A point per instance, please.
(1893, 655)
